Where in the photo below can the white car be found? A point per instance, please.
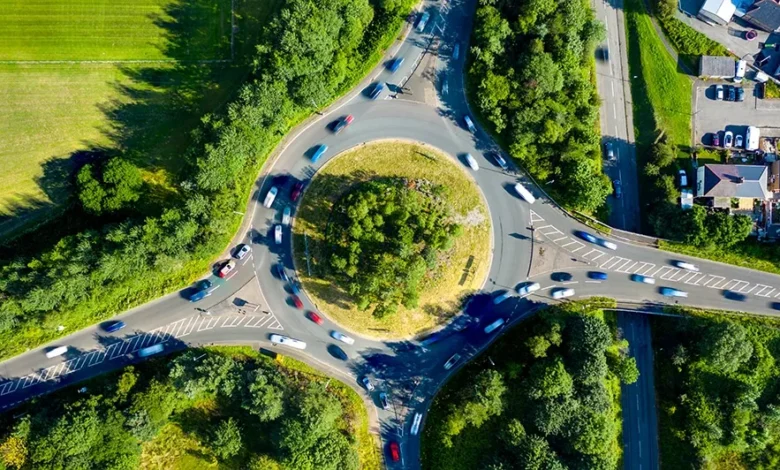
(642, 279)
(286, 215)
(562, 293)
(502, 297)
(278, 234)
(367, 383)
(469, 124)
(728, 139)
(471, 162)
(606, 244)
(738, 140)
(270, 196)
(342, 337)
(524, 193)
(528, 288)
(451, 361)
(688, 266)
(287, 341)
(243, 251)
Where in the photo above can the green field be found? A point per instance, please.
(112, 29)
(50, 111)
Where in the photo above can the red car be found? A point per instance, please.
(296, 191)
(315, 318)
(227, 268)
(297, 301)
(395, 451)
(347, 120)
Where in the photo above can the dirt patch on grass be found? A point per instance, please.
(462, 270)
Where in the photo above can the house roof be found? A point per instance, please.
(710, 66)
(765, 15)
(723, 9)
(735, 181)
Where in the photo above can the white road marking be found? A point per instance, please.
(614, 110)
(593, 282)
(535, 217)
(612, 85)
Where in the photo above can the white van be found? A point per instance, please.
(740, 74)
(494, 326)
(524, 193)
(416, 424)
(57, 352)
(751, 138)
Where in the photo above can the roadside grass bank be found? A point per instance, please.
(97, 273)
(717, 383)
(525, 396)
(213, 407)
(689, 43)
(748, 254)
(460, 271)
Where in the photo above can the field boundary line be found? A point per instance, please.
(128, 61)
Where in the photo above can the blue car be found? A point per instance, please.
(597, 275)
(669, 292)
(586, 236)
(377, 90)
(201, 290)
(318, 153)
(115, 326)
(396, 64)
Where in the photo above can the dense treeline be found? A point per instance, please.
(531, 76)
(544, 397)
(384, 237)
(309, 53)
(718, 386)
(241, 411)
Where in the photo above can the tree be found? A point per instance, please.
(538, 346)
(225, 441)
(587, 335)
(727, 230)
(627, 371)
(14, 452)
(549, 379)
(264, 396)
(541, 76)
(484, 399)
(725, 346)
(116, 185)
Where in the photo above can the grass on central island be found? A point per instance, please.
(461, 271)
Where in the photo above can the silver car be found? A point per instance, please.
(342, 337)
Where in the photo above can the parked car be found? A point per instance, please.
(716, 139)
(287, 341)
(270, 196)
(201, 290)
(282, 273)
(396, 64)
(367, 383)
(343, 123)
(297, 301)
(227, 268)
(497, 300)
(597, 275)
(286, 215)
(642, 279)
(342, 337)
(617, 188)
(383, 400)
(395, 451)
(314, 317)
(500, 160)
(528, 287)
(740, 94)
(423, 21)
(728, 139)
(297, 190)
(243, 250)
(562, 293)
(686, 265)
(610, 149)
(321, 149)
(377, 90)
(451, 361)
(683, 178)
(719, 92)
(738, 141)
(114, 326)
(471, 162)
(671, 292)
(469, 124)
(586, 236)
(278, 234)
(732, 93)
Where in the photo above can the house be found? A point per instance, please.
(718, 11)
(717, 67)
(722, 183)
(764, 15)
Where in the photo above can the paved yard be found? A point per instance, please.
(712, 116)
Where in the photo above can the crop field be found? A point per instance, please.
(80, 75)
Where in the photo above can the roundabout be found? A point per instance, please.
(457, 271)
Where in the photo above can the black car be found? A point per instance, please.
(377, 90)
(732, 93)
(740, 94)
(561, 277)
(731, 295)
(337, 352)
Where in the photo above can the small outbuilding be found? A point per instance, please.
(717, 67)
(718, 11)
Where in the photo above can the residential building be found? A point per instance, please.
(722, 183)
(764, 15)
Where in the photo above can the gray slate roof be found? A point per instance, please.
(765, 15)
(724, 181)
(710, 66)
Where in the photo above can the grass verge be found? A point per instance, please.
(464, 268)
(747, 254)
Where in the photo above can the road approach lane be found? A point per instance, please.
(409, 372)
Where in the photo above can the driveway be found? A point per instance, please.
(731, 36)
(712, 116)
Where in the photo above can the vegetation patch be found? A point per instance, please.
(546, 395)
(531, 79)
(717, 386)
(391, 225)
(771, 90)
(689, 43)
(221, 407)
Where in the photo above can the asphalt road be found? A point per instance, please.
(617, 125)
(408, 371)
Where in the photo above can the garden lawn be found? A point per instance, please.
(462, 270)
